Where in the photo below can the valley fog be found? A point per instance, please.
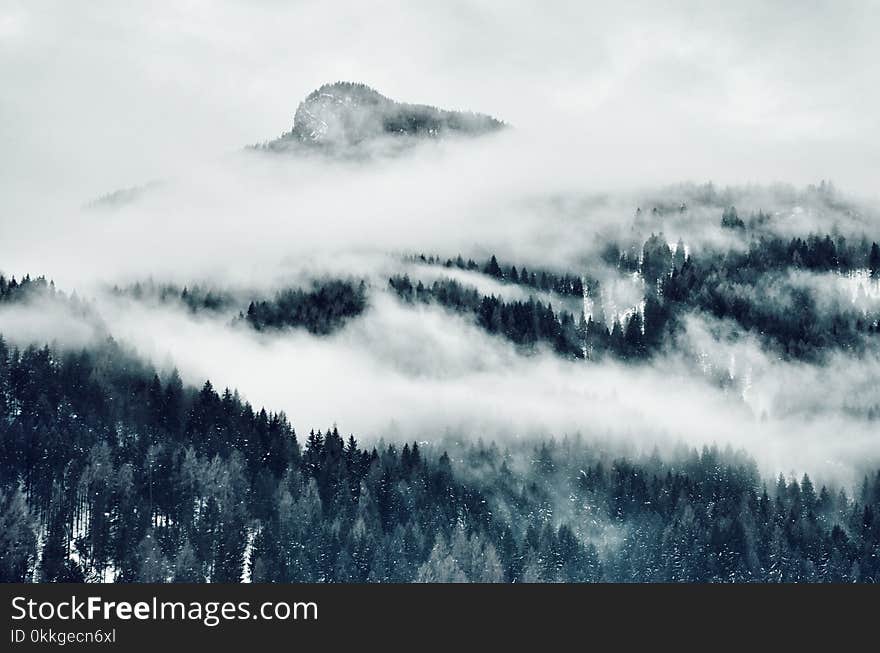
(251, 224)
(157, 188)
(420, 292)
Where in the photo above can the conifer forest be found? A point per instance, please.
(520, 299)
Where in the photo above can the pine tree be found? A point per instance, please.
(186, 565)
(493, 269)
(18, 542)
(153, 565)
(874, 261)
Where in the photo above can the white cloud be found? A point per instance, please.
(605, 102)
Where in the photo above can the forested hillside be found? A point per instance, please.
(439, 292)
(111, 471)
(757, 287)
(321, 308)
(765, 288)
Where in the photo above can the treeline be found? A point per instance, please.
(29, 289)
(196, 297)
(632, 336)
(754, 289)
(109, 471)
(12, 290)
(815, 252)
(540, 279)
(751, 287)
(322, 309)
(525, 323)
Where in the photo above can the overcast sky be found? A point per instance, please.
(100, 95)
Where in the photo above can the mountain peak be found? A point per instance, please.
(341, 115)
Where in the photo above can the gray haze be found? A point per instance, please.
(608, 108)
(108, 94)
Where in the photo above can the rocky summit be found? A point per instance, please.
(344, 115)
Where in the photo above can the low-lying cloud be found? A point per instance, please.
(607, 115)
